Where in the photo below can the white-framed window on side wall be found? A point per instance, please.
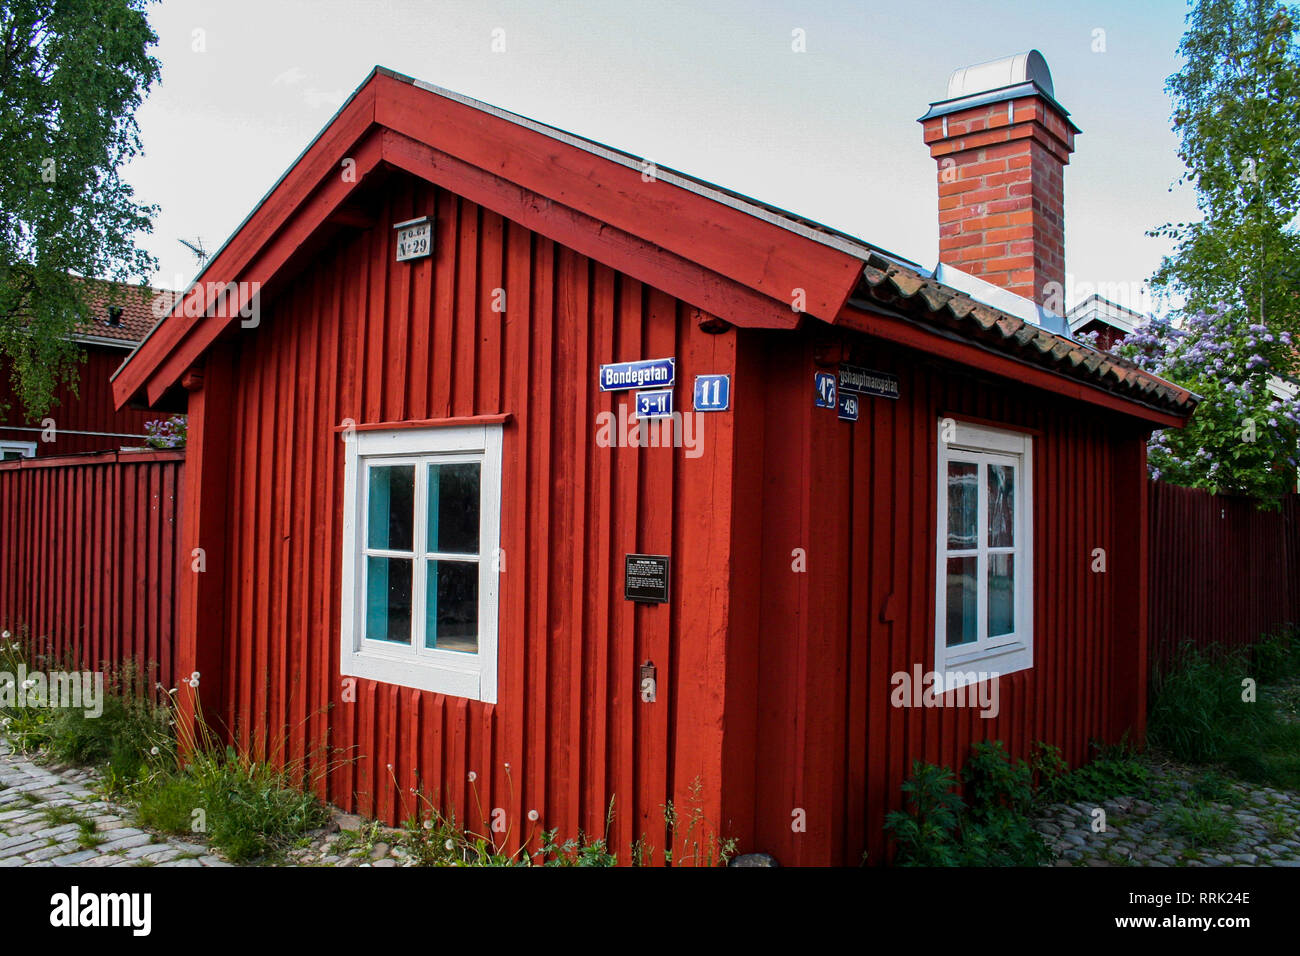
(984, 611)
(11, 450)
(421, 529)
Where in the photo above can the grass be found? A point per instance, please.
(1203, 826)
(88, 836)
(1202, 711)
(244, 806)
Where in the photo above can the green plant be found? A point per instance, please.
(1201, 713)
(1212, 787)
(698, 839)
(246, 807)
(1114, 771)
(1276, 656)
(998, 831)
(1204, 827)
(926, 833)
(939, 828)
(1280, 826)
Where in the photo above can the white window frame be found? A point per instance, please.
(25, 449)
(1004, 654)
(455, 673)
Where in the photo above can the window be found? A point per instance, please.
(10, 450)
(984, 594)
(421, 525)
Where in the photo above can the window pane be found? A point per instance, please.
(392, 495)
(452, 606)
(388, 599)
(1002, 594)
(453, 508)
(961, 601)
(1002, 506)
(963, 502)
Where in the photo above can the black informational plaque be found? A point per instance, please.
(645, 578)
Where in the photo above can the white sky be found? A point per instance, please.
(711, 89)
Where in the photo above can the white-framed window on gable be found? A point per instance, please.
(984, 573)
(421, 530)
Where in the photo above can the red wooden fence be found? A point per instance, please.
(1221, 570)
(88, 554)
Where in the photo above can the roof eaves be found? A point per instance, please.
(898, 286)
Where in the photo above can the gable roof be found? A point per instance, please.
(723, 252)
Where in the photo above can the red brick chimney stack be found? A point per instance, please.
(1002, 142)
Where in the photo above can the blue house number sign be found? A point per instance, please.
(712, 393)
(655, 404)
(825, 386)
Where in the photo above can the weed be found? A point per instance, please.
(939, 828)
(1203, 826)
(1279, 825)
(699, 840)
(1113, 772)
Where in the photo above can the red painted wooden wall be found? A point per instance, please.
(90, 410)
(88, 557)
(1222, 571)
(355, 335)
(810, 692)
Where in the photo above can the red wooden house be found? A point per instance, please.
(439, 543)
(87, 420)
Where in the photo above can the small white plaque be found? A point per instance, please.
(414, 238)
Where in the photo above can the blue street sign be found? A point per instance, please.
(712, 393)
(825, 383)
(867, 381)
(650, 372)
(849, 406)
(656, 404)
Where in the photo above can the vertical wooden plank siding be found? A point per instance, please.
(859, 500)
(1222, 571)
(89, 410)
(355, 335)
(90, 556)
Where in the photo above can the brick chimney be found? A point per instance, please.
(1002, 142)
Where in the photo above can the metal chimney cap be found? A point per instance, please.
(1029, 67)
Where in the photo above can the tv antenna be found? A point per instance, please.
(196, 247)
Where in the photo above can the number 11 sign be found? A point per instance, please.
(712, 393)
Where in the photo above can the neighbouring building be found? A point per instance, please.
(87, 421)
(444, 555)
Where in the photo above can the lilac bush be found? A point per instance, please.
(1243, 438)
(166, 434)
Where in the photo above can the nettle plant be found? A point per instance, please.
(1243, 437)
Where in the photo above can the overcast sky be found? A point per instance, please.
(712, 89)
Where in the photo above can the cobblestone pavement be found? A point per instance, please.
(52, 817)
(1243, 825)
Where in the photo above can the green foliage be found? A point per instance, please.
(1113, 772)
(939, 828)
(72, 75)
(1236, 111)
(249, 809)
(927, 833)
(1198, 714)
(1276, 656)
(1202, 826)
(1237, 115)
